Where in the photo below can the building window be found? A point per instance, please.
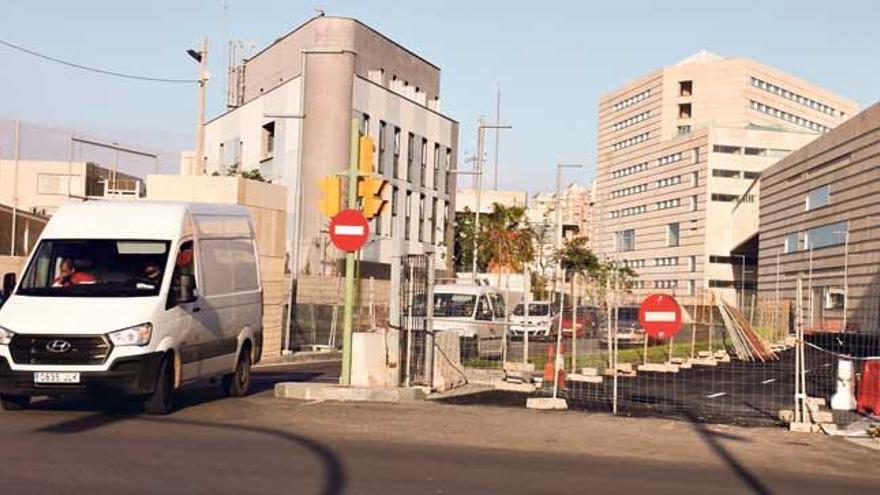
(684, 110)
(365, 125)
(724, 198)
(437, 167)
(789, 117)
(408, 215)
(672, 158)
(410, 156)
(396, 152)
(730, 174)
(751, 175)
(791, 243)
(673, 232)
(626, 240)
(434, 221)
(695, 179)
(449, 180)
(685, 88)
(383, 136)
(694, 202)
(826, 236)
(632, 169)
(632, 100)
(730, 150)
(803, 100)
(692, 264)
(684, 129)
(393, 209)
(834, 297)
(635, 119)
(268, 141)
(626, 143)
(667, 204)
(691, 287)
(818, 197)
(421, 218)
(424, 163)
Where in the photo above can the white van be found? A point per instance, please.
(133, 299)
(476, 312)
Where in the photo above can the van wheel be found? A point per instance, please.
(238, 383)
(162, 400)
(15, 402)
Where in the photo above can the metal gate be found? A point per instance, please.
(413, 319)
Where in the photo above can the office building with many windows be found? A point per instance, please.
(290, 111)
(679, 148)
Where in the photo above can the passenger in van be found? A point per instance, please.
(69, 275)
(152, 274)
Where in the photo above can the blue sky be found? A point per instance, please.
(552, 59)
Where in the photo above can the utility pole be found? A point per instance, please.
(348, 312)
(15, 185)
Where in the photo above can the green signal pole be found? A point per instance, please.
(348, 313)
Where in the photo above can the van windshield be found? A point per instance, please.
(96, 268)
(454, 305)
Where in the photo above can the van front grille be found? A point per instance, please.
(60, 349)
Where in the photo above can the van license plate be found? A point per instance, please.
(56, 377)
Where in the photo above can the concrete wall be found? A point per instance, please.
(266, 203)
(846, 159)
(11, 264)
(28, 228)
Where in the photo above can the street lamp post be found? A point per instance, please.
(559, 276)
(201, 56)
(481, 132)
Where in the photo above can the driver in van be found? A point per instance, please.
(68, 275)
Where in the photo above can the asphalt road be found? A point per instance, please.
(211, 446)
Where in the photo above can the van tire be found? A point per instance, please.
(162, 400)
(15, 402)
(237, 384)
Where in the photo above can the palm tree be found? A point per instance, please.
(507, 241)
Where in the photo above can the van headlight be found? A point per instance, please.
(6, 336)
(137, 335)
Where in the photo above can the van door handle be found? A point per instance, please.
(196, 309)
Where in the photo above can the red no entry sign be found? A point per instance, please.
(349, 230)
(660, 316)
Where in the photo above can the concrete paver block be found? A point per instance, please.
(325, 391)
(546, 403)
(575, 377)
(590, 371)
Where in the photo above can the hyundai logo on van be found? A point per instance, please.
(58, 346)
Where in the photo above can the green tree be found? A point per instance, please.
(505, 239)
(576, 260)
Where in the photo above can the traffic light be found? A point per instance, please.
(370, 192)
(330, 195)
(365, 155)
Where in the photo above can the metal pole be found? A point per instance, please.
(527, 298)
(349, 258)
(845, 278)
(559, 281)
(478, 193)
(15, 185)
(429, 324)
(616, 343)
(574, 317)
(200, 127)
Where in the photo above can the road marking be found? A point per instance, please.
(660, 316)
(719, 394)
(349, 230)
(765, 382)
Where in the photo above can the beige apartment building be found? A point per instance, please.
(820, 223)
(678, 148)
(41, 186)
(291, 107)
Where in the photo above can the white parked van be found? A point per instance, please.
(133, 299)
(476, 312)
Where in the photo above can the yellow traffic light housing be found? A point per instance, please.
(365, 155)
(370, 192)
(331, 194)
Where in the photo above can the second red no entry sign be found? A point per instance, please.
(660, 316)
(349, 230)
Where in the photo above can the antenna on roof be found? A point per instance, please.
(319, 12)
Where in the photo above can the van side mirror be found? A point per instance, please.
(187, 289)
(8, 285)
